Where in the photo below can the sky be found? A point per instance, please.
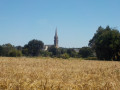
(75, 20)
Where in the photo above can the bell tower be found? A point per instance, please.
(56, 39)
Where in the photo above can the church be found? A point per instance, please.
(55, 42)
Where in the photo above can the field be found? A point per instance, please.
(58, 74)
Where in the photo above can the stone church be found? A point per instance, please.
(55, 42)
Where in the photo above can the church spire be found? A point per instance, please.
(56, 39)
(56, 32)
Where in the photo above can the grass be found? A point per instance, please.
(58, 74)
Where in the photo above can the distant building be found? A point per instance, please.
(56, 39)
(45, 48)
(55, 42)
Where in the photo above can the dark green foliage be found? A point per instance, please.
(85, 52)
(106, 43)
(45, 53)
(71, 52)
(15, 53)
(33, 48)
(9, 50)
(1, 50)
(19, 48)
(65, 56)
(62, 52)
(6, 48)
(55, 51)
(25, 50)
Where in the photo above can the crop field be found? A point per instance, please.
(58, 74)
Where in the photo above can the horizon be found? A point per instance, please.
(76, 21)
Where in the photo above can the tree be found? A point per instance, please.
(6, 48)
(45, 53)
(63, 50)
(15, 53)
(25, 50)
(55, 51)
(71, 52)
(33, 47)
(85, 52)
(65, 56)
(1, 50)
(106, 43)
(19, 48)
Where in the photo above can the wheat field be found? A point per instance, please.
(58, 74)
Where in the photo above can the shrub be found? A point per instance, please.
(85, 52)
(15, 53)
(45, 53)
(65, 56)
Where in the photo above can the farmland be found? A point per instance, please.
(58, 74)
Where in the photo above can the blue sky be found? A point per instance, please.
(76, 20)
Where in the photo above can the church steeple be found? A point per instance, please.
(56, 39)
(56, 32)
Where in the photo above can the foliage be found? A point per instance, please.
(72, 52)
(62, 52)
(5, 49)
(55, 51)
(15, 53)
(33, 47)
(65, 56)
(1, 49)
(25, 52)
(45, 53)
(85, 52)
(9, 50)
(19, 48)
(106, 43)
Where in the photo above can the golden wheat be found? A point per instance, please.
(58, 74)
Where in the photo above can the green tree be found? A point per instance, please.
(65, 56)
(1, 50)
(56, 52)
(33, 48)
(19, 48)
(45, 53)
(85, 52)
(15, 53)
(72, 52)
(6, 48)
(63, 50)
(25, 50)
(106, 43)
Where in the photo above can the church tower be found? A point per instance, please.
(56, 39)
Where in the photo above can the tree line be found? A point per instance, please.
(105, 45)
(35, 48)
